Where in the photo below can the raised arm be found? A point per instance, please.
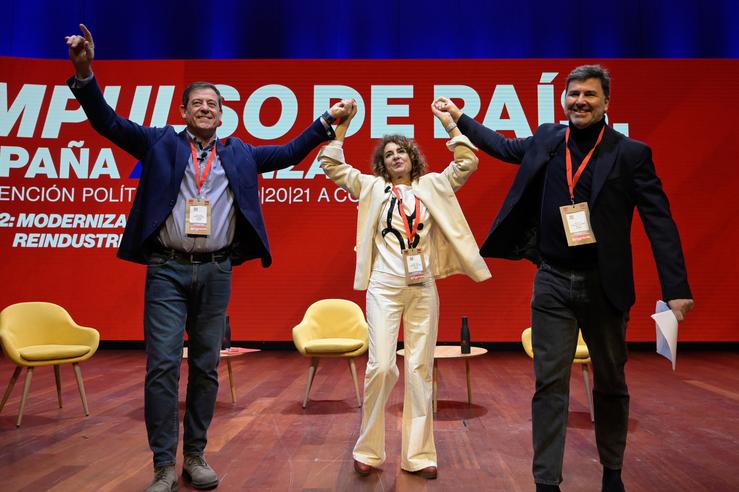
(465, 161)
(506, 149)
(349, 107)
(81, 52)
(131, 137)
(440, 107)
(274, 157)
(333, 162)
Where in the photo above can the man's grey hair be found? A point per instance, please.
(585, 72)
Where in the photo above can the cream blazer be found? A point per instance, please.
(452, 247)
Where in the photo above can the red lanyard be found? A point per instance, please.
(417, 220)
(572, 181)
(200, 179)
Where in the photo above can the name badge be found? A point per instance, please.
(576, 222)
(197, 217)
(414, 264)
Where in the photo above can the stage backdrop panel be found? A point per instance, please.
(65, 192)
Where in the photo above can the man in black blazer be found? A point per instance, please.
(569, 211)
(196, 214)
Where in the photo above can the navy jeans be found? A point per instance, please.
(179, 297)
(564, 300)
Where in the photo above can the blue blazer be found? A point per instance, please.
(624, 178)
(164, 155)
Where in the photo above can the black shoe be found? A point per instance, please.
(543, 487)
(612, 481)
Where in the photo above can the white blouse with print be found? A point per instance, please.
(391, 236)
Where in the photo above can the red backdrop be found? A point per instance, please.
(682, 108)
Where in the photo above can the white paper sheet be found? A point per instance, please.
(666, 326)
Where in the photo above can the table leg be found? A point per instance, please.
(231, 381)
(435, 389)
(469, 382)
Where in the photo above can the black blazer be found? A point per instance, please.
(624, 178)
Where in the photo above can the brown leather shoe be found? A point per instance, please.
(429, 473)
(362, 469)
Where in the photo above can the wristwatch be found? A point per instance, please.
(329, 119)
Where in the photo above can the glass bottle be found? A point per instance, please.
(465, 336)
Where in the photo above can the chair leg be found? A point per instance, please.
(353, 369)
(311, 375)
(26, 389)
(81, 386)
(11, 384)
(586, 379)
(58, 379)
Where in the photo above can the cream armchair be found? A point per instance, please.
(582, 357)
(331, 328)
(37, 334)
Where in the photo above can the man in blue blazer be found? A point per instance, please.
(569, 211)
(196, 213)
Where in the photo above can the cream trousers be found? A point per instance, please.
(388, 301)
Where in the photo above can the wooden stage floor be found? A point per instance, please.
(684, 428)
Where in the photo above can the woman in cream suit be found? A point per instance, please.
(410, 231)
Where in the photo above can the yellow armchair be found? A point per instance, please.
(331, 328)
(36, 334)
(582, 357)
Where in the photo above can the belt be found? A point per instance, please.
(191, 258)
(568, 270)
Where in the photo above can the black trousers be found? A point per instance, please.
(563, 301)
